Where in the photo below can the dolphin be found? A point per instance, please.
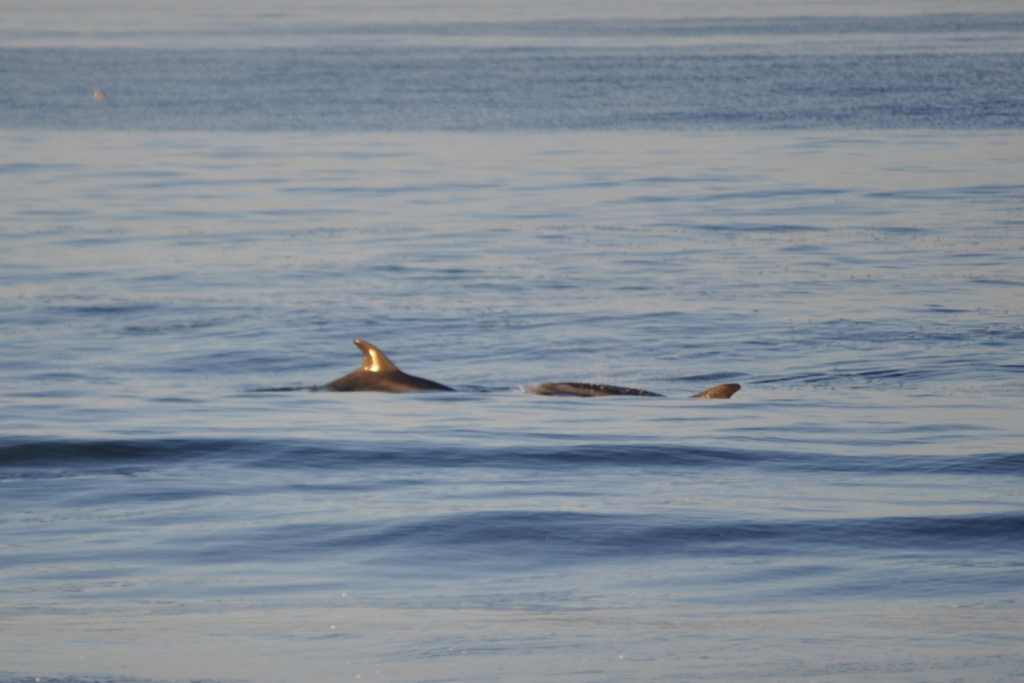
(583, 389)
(380, 374)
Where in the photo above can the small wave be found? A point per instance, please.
(565, 536)
(318, 454)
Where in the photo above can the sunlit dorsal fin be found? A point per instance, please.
(374, 359)
(721, 391)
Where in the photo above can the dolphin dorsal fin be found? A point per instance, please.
(374, 359)
(721, 391)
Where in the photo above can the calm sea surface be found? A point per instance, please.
(828, 210)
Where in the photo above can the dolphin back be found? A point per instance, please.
(584, 389)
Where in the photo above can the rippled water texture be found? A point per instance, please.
(863, 487)
(939, 71)
(494, 204)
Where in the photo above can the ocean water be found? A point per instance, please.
(824, 207)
